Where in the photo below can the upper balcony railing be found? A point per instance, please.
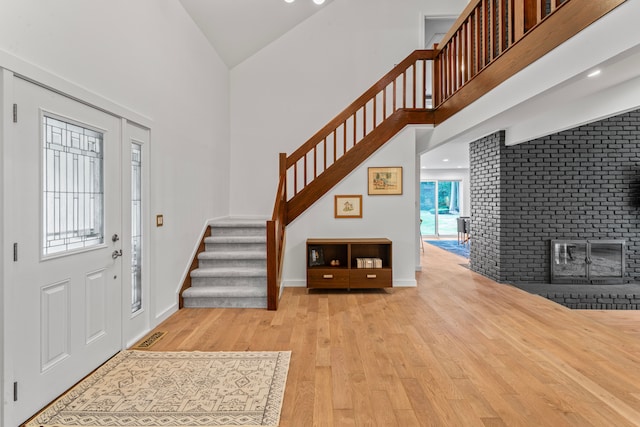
(481, 34)
(504, 36)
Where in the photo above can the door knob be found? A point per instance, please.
(116, 254)
(115, 238)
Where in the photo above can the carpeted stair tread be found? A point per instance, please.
(235, 239)
(233, 255)
(229, 272)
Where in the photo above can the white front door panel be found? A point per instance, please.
(65, 318)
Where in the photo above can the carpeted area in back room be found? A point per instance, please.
(452, 246)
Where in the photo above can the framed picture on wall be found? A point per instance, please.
(348, 206)
(385, 180)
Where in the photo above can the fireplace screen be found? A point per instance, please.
(587, 261)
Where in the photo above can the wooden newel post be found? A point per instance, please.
(283, 163)
(283, 176)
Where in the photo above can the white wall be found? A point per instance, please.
(148, 56)
(282, 95)
(452, 175)
(392, 217)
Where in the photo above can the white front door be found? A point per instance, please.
(64, 218)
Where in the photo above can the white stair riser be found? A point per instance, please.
(237, 231)
(226, 292)
(234, 247)
(227, 302)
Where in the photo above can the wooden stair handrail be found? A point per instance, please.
(348, 112)
(344, 165)
(403, 87)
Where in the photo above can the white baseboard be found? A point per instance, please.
(294, 284)
(396, 284)
(405, 283)
(165, 314)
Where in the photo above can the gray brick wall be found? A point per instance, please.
(486, 157)
(591, 301)
(581, 183)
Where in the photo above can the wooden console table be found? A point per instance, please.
(333, 263)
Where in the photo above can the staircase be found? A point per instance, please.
(234, 272)
(232, 269)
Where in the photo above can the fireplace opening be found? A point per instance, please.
(587, 261)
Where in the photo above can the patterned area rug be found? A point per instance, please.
(175, 389)
(452, 246)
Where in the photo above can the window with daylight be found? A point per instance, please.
(440, 203)
(73, 190)
(136, 227)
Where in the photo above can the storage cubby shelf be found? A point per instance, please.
(333, 263)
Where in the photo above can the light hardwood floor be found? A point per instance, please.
(458, 350)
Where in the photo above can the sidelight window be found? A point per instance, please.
(136, 227)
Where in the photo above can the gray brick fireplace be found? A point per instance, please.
(579, 184)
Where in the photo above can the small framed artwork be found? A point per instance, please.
(385, 180)
(348, 206)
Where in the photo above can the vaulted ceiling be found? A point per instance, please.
(238, 29)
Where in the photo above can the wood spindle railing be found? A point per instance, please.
(405, 85)
(506, 36)
(485, 30)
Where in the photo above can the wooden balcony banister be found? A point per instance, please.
(473, 5)
(564, 20)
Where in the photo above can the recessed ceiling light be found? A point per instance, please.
(445, 160)
(289, 1)
(594, 73)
